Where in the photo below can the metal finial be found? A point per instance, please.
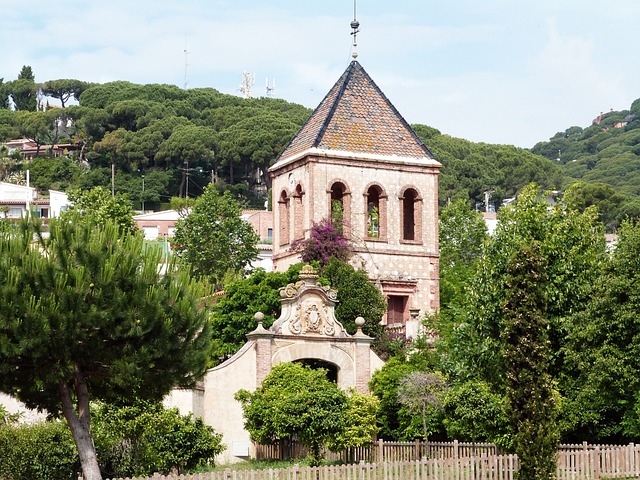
(354, 31)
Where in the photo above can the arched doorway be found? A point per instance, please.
(331, 368)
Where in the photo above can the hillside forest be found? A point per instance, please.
(180, 140)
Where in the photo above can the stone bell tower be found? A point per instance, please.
(357, 155)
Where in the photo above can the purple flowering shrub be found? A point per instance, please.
(325, 241)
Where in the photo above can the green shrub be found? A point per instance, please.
(42, 451)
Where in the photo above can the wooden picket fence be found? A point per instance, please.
(381, 451)
(497, 467)
(453, 461)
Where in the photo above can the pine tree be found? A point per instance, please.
(85, 313)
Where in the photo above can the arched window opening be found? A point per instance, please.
(338, 191)
(298, 213)
(408, 215)
(283, 214)
(316, 363)
(373, 212)
(339, 207)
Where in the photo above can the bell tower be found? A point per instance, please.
(357, 153)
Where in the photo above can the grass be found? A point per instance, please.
(253, 464)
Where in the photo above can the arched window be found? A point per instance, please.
(376, 213)
(411, 215)
(283, 214)
(340, 206)
(298, 213)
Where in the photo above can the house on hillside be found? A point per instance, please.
(16, 200)
(29, 149)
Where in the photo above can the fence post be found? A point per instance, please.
(456, 453)
(380, 451)
(417, 450)
(361, 470)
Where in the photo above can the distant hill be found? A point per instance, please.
(602, 162)
(182, 139)
(470, 169)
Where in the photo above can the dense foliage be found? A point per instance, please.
(214, 239)
(43, 451)
(604, 347)
(138, 439)
(145, 438)
(100, 207)
(295, 401)
(183, 139)
(532, 403)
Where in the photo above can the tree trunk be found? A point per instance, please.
(424, 422)
(79, 424)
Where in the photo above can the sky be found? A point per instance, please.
(497, 71)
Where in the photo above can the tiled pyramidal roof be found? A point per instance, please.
(355, 116)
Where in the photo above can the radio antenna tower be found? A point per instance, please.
(186, 63)
(248, 80)
(271, 89)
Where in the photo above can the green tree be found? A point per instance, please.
(214, 239)
(603, 196)
(64, 89)
(34, 125)
(145, 437)
(360, 422)
(573, 245)
(254, 143)
(532, 405)
(421, 393)
(59, 173)
(100, 206)
(4, 95)
(357, 297)
(189, 146)
(86, 313)
(462, 234)
(43, 451)
(295, 400)
(473, 413)
(604, 348)
(394, 422)
(24, 90)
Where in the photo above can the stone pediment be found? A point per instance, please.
(308, 309)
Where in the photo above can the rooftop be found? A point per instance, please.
(355, 116)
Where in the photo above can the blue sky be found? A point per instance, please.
(496, 71)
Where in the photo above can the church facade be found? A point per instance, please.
(358, 160)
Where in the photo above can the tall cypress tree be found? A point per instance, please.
(532, 404)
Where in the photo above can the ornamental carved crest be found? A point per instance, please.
(308, 308)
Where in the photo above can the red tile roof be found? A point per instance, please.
(355, 116)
